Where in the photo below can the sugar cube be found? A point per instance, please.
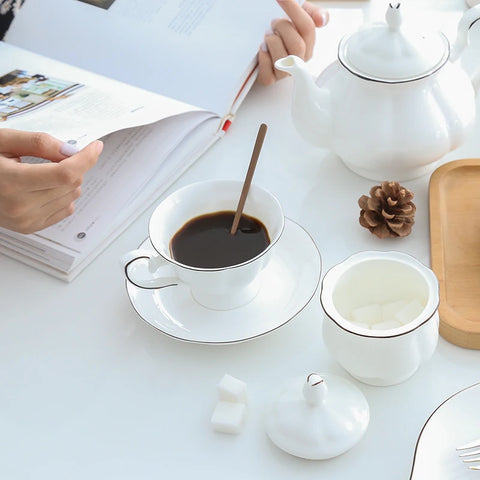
(386, 325)
(361, 325)
(231, 389)
(389, 310)
(409, 312)
(368, 314)
(228, 417)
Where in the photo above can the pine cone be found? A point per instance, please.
(389, 211)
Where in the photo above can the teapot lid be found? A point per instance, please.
(387, 52)
(318, 418)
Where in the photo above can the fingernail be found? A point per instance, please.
(325, 18)
(269, 32)
(98, 146)
(69, 148)
(264, 47)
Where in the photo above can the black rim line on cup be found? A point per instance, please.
(364, 334)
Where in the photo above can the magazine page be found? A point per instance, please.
(196, 51)
(38, 94)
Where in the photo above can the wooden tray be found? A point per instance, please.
(454, 196)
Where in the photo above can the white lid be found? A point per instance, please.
(318, 417)
(387, 52)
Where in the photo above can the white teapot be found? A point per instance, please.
(393, 103)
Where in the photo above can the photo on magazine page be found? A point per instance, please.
(22, 91)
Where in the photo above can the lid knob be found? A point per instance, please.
(315, 389)
(393, 16)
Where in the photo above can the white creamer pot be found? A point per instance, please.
(394, 102)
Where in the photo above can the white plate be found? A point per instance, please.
(455, 422)
(288, 282)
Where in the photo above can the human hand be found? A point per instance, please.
(294, 35)
(35, 196)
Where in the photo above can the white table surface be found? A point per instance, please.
(90, 391)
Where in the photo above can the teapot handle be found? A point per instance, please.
(470, 16)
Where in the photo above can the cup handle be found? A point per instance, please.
(167, 277)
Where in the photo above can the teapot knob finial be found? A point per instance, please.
(393, 16)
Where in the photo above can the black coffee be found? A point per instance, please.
(206, 242)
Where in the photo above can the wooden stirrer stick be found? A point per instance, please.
(248, 178)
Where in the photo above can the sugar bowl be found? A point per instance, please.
(381, 315)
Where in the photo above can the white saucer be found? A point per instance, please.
(288, 282)
(452, 424)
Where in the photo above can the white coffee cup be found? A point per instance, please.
(221, 288)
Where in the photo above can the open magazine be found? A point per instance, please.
(169, 77)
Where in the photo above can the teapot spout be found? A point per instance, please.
(310, 105)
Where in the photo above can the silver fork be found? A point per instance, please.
(471, 456)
